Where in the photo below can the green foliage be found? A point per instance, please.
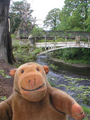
(59, 39)
(42, 40)
(37, 32)
(16, 43)
(36, 51)
(75, 16)
(86, 109)
(52, 19)
(87, 23)
(52, 82)
(53, 66)
(14, 22)
(73, 55)
(87, 112)
(77, 29)
(13, 36)
(22, 52)
(3, 98)
(75, 21)
(3, 74)
(86, 118)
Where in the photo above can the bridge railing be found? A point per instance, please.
(53, 44)
(60, 39)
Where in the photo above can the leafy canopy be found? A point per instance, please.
(52, 19)
(75, 16)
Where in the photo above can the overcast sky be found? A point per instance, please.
(42, 7)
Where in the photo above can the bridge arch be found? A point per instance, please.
(68, 46)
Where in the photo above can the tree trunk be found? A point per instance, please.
(5, 38)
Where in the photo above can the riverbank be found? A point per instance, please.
(77, 57)
(65, 62)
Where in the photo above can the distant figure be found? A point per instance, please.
(77, 39)
(30, 38)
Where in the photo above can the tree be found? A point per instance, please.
(74, 14)
(14, 22)
(21, 15)
(74, 21)
(52, 19)
(87, 22)
(5, 39)
(80, 5)
(37, 32)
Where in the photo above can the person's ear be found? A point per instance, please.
(12, 72)
(46, 68)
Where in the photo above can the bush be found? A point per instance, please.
(37, 32)
(73, 55)
(13, 36)
(22, 54)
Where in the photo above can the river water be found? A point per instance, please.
(73, 80)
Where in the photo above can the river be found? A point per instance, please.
(73, 80)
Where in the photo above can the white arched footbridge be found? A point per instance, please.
(51, 46)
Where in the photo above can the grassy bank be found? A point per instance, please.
(79, 56)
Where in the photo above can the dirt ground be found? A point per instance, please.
(6, 84)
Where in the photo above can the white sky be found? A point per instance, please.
(42, 7)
